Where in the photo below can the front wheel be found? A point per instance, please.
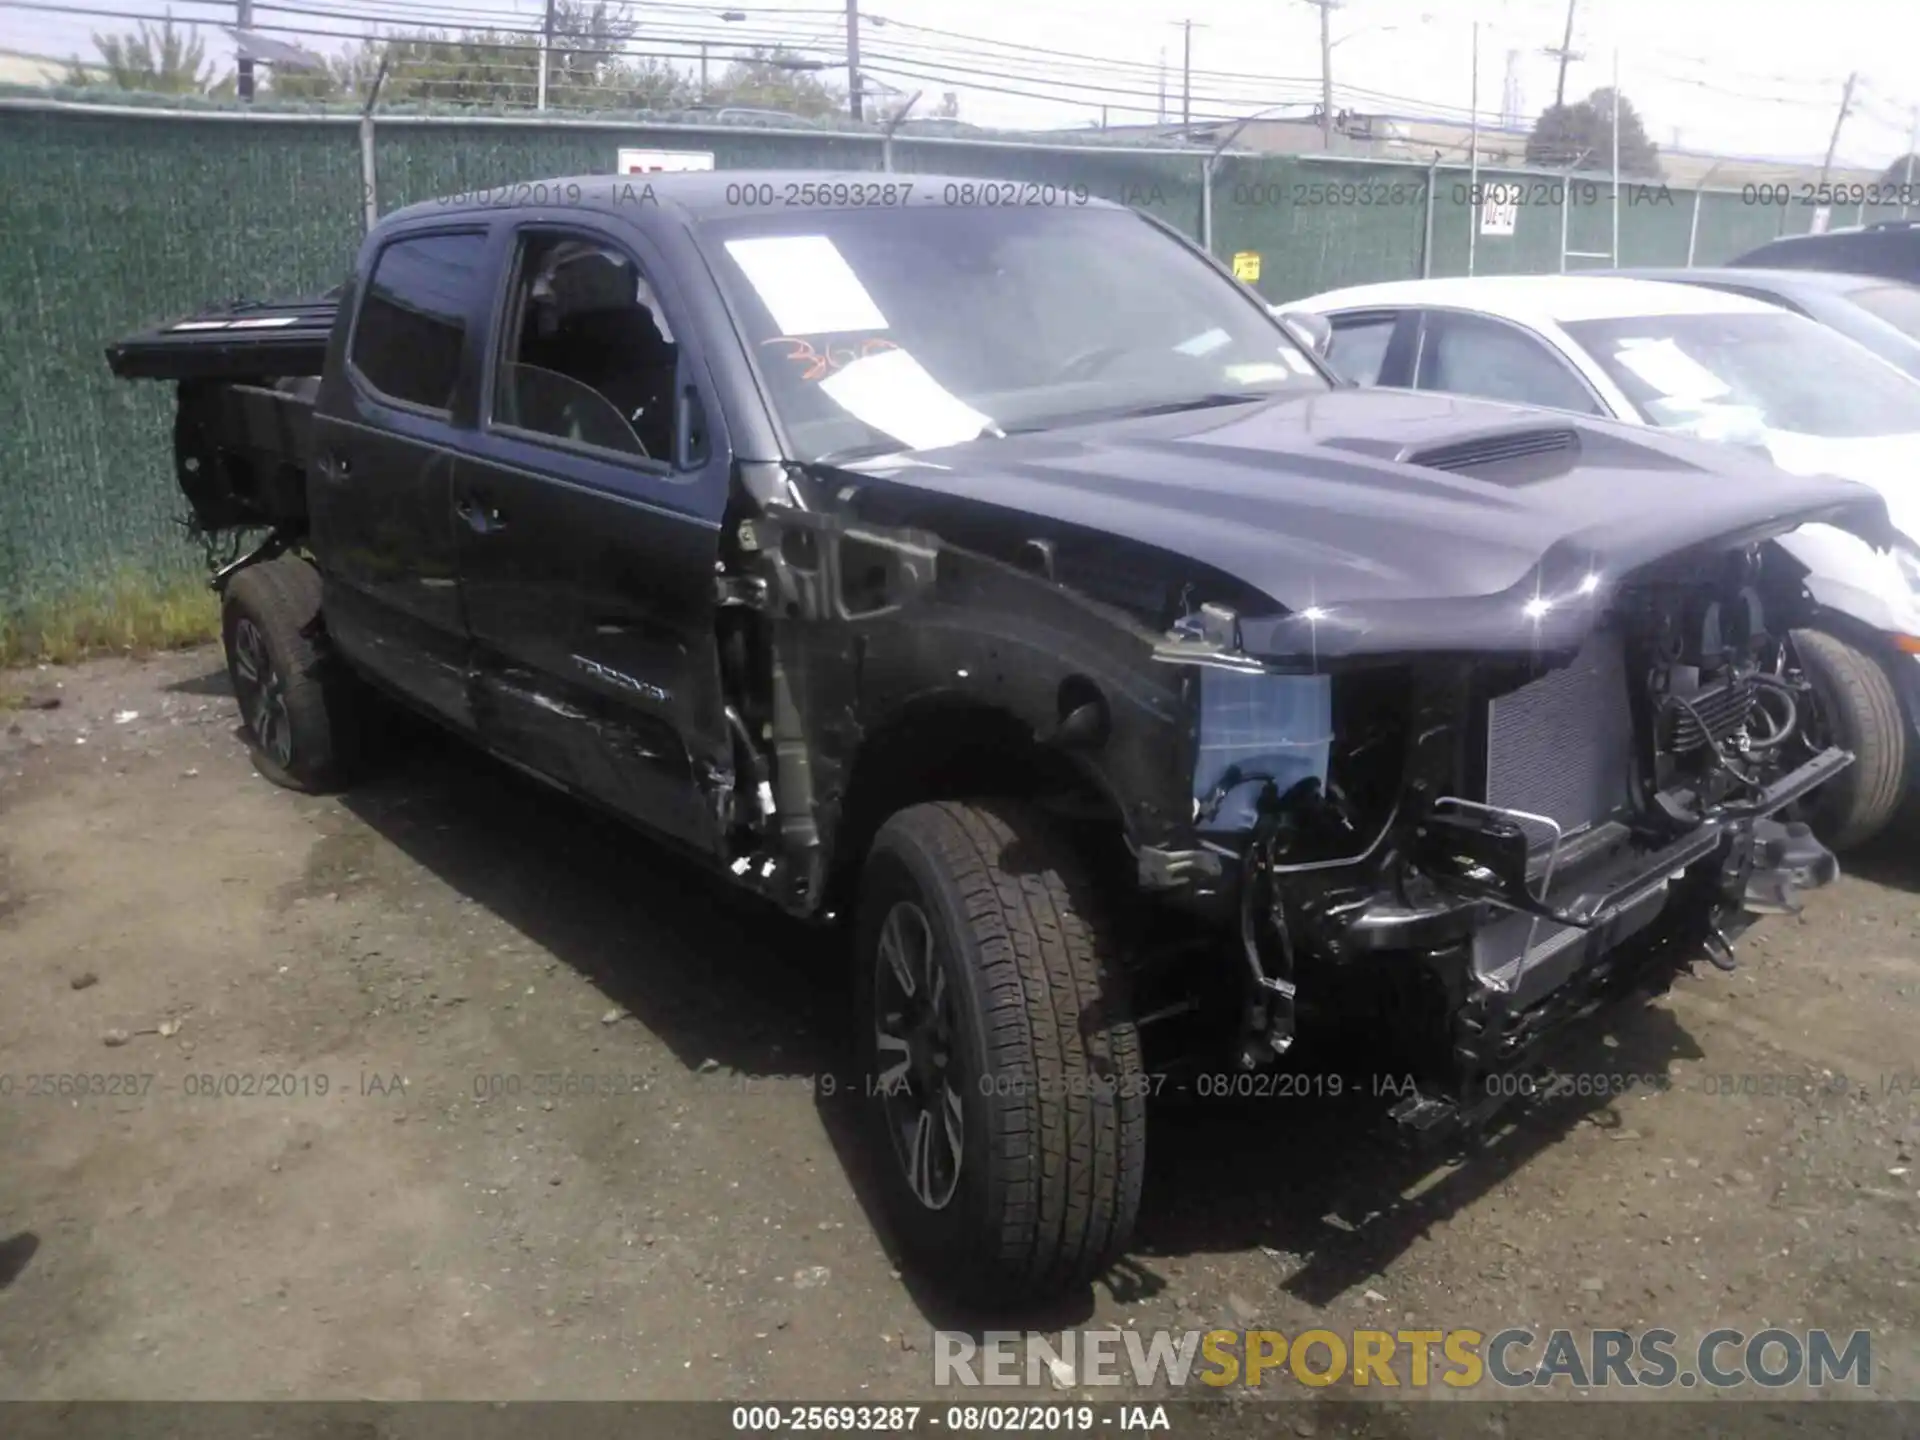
(1859, 711)
(1003, 1068)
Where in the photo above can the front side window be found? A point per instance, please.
(1897, 305)
(1724, 375)
(587, 355)
(1359, 347)
(927, 325)
(412, 326)
(1491, 360)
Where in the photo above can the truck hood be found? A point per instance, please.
(1889, 464)
(1334, 506)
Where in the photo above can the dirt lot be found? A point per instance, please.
(431, 948)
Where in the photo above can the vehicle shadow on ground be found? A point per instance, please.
(721, 979)
(16, 1253)
(1322, 1184)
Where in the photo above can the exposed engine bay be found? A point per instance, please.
(1505, 842)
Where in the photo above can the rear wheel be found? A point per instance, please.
(1003, 1069)
(1859, 711)
(295, 700)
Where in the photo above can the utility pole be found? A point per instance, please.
(243, 67)
(1186, 72)
(1566, 52)
(1476, 207)
(1163, 85)
(703, 69)
(1846, 107)
(853, 59)
(1913, 144)
(1326, 71)
(546, 52)
(1615, 125)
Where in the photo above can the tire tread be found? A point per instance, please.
(283, 598)
(1873, 726)
(1068, 1169)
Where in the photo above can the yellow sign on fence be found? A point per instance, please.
(1246, 265)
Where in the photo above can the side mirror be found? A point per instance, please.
(1311, 331)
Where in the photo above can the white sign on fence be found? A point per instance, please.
(1499, 209)
(1822, 218)
(654, 162)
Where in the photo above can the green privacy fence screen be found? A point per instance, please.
(120, 216)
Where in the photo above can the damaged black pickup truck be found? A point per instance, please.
(992, 571)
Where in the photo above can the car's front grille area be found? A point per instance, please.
(1563, 746)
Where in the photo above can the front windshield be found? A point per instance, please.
(1719, 374)
(1897, 305)
(926, 325)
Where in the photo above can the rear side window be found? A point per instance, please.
(412, 327)
(1490, 360)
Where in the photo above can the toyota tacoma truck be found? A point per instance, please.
(984, 569)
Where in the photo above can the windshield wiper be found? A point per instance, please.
(847, 454)
(875, 449)
(1139, 412)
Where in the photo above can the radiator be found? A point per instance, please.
(1563, 746)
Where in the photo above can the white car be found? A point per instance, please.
(1720, 367)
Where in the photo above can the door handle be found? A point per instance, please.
(480, 517)
(335, 466)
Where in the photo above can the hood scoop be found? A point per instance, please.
(1515, 457)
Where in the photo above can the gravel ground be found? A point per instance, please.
(342, 1168)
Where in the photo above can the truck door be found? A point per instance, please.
(381, 491)
(588, 515)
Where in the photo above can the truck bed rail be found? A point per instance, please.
(246, 340)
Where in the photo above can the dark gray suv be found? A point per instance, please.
(1886, 247)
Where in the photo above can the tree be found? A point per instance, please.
(649, 85)
(777, 80)
(159, 60)
(587, 67)
(491, 68)
(1580, 137)
(588, 39)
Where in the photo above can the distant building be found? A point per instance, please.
(1452, 142)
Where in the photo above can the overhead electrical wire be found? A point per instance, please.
(675, 31)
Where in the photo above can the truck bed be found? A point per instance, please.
(246, 374)
(245, 340)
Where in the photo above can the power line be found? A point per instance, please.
(1219, 86)
(676, 32)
